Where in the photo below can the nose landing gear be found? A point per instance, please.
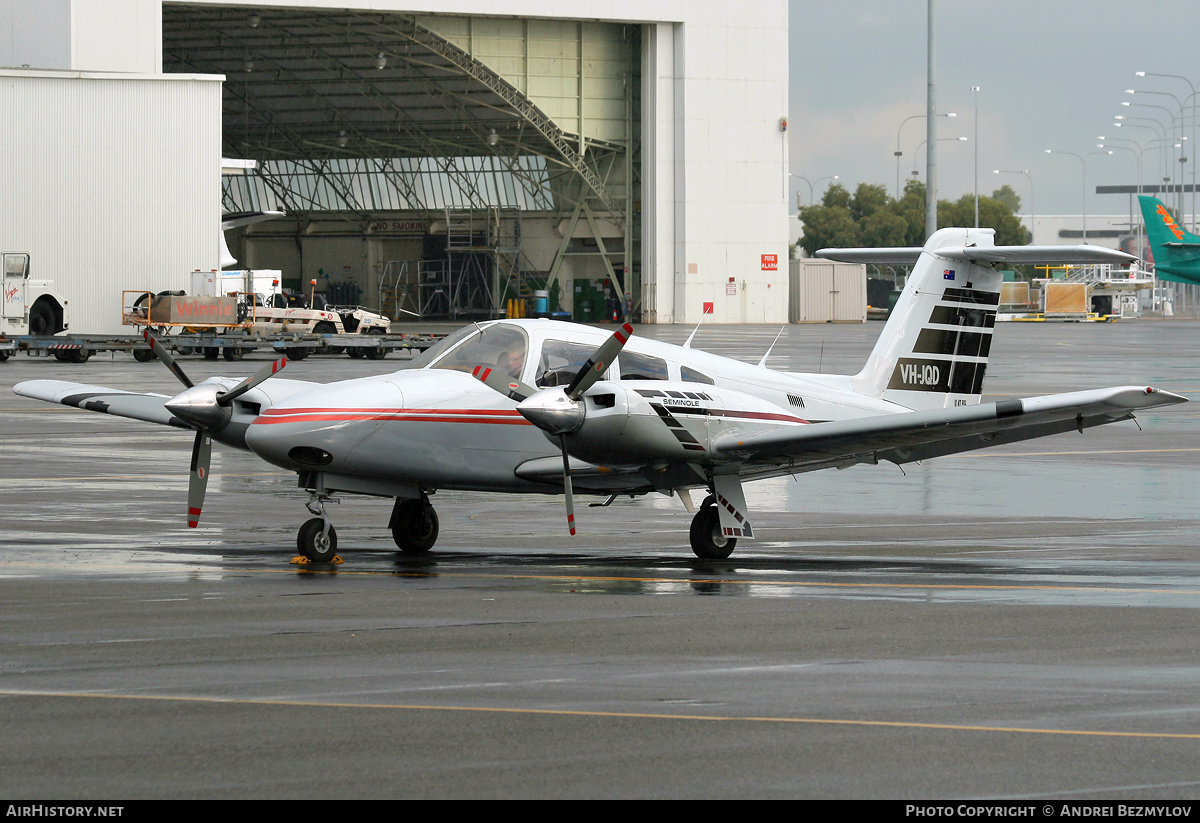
(317, 539)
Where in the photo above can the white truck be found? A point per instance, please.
(30, 307)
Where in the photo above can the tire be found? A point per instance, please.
(310, 543)
(356, 352)
(377, 353)
(705, 534)
(41, 320)
(414, 526)
(298, 353)
(324, 328)
(143, 355)
(78, 356)
(232, 353)
(211, 352)
(4, 355)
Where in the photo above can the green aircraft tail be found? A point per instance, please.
(1176, 250)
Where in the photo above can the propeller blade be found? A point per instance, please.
(167, 359)
(562, 439)
(201, 457)
(250, 382)
(499, 381)
(599, 361)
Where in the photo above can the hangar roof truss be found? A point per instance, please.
(357, 111)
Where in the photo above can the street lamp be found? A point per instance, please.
(917, 153)
(810, 185)
(899, 153)
(1083, 163)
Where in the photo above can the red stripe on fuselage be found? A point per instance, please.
(506, 417)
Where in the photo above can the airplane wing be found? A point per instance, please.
(147, 407)
(920, 435)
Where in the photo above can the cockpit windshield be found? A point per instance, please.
(499, 345)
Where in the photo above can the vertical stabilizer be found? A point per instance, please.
(1176, 251)
(934, 349)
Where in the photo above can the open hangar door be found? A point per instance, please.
(434, 165)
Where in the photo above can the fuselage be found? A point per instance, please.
(436, 426)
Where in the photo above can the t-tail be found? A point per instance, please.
(933, 351)
(1176, 250)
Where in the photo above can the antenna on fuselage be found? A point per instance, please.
(763, 363)
(706, 309)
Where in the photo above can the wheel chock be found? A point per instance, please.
(301, 560)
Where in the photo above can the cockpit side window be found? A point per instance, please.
(636, 366)
(500, 346)
(561, 361)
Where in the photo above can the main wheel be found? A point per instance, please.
(708, 543)
(314, 544)
(414, 526)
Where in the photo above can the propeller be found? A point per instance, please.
(559, 411)
(206, 408)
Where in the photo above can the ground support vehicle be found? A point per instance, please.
(78, 348)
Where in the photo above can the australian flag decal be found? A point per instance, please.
(948, 274)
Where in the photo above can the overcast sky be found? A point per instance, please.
(1052, 75)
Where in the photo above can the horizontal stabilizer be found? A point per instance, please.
(1050, 255)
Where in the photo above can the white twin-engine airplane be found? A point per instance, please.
(541, 407)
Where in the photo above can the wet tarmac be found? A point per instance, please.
(1014, 623)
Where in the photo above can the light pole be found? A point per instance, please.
(1192, 96)
(1137, 153)
(898, 154)
(975, 90)
(1083, 164)
(810, 185)
(917, 153)
(1031, 212)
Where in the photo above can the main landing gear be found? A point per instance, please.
(708, 540)
(414, 527)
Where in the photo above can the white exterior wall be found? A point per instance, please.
(715, 160)
(110, 182)
(82, 35)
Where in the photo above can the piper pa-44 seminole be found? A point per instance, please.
(536, 406)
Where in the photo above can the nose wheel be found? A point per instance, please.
(317, 539)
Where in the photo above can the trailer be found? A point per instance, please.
(78, 348)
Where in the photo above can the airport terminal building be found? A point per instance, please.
(429, 158)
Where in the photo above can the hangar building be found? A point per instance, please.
(430, 158)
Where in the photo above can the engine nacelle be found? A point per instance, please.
(635, 422)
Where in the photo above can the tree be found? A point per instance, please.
(871, 218)
(1008, 197)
